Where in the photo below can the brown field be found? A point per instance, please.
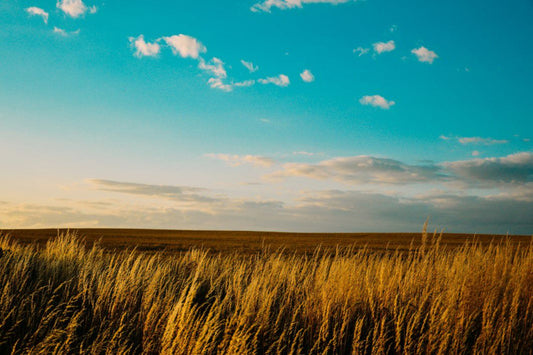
(60, 295)
(248, 242)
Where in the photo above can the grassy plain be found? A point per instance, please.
(247, 242)
(444, 296)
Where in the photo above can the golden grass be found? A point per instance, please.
(65, 298)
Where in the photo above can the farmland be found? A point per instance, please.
(230, 293)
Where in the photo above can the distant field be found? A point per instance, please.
(246, 241)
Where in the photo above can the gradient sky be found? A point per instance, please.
(317, 115)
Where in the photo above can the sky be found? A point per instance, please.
(288, 115)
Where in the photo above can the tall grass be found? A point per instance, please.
(66, 298)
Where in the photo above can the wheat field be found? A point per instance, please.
(68, 298)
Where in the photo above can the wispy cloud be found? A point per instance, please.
(177, 193)
(244, 83)
(361, 169)
(475, 140)
(215, 66)
(73, 8)
(479, 140)
(360, 51)
(143, 48)
(36, 11)
(185, 46)
(382, 47)
(424, 55)
(307, 76)
(267, 5)
(238, 160)
(376, 101)
(280, 80)
(250, 66)
(64, 33)
(492, 173)
(317, 211)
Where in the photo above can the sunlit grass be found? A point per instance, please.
(66, 298)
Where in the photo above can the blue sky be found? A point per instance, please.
(197, 115)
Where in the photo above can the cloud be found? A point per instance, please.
(317, 211)
(218, 83)
(64, 33)
(361, 51)
(185, 46)
(176, 193)
(479, 140)
(362, 169)
(73, 8)
(515, 169)
(244, 83)
(36, 11)
(425, 55)
(492, 173)
(307, 76)
(215, 66)
(376, 101)
(144, 49)
(267, 5)
(93, 9)
(238, 160)
(280, 80)
(382, 47)
(307, 154)
(475, 140)
(250, 66)
(475, 153)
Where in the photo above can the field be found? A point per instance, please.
(247, 242)
(185, 292)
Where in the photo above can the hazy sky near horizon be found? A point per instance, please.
(300, 115)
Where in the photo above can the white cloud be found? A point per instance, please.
(307, 76)
(376, 101)
(250, 66)
(244, 83)
(185, 46)
(36, 11)
(382, 47)
(238, 160)
(475, 153)
(514, 168)
(475, 140)
(361, 51)
(290, 4)
(480, 140)
(143, 48)
(73, 8)
(393, 28)
(425, 55)
(280, 80)
(64, 33)
(218, 83)
(215, 66)
(361, 169)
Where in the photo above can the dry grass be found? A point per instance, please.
(65, 298)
